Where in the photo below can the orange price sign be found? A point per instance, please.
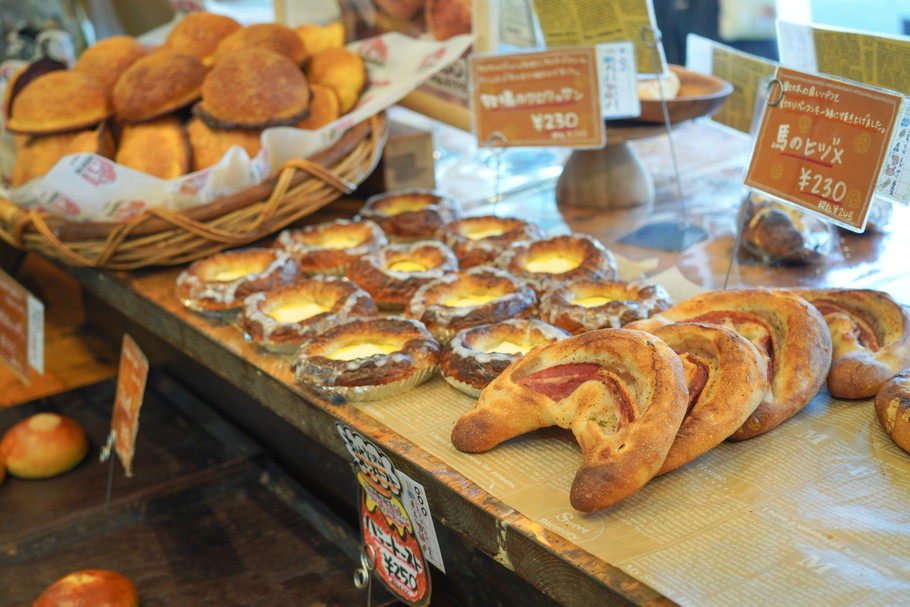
(21, 328)
(545, 98)
(821, 144)
(131, 379)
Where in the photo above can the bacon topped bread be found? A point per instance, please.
(786, 328)
(870, 333)
(622, 394)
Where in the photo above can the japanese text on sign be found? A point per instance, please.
(821, 145)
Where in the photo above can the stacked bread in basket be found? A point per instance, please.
(541, 332)
(176, 109)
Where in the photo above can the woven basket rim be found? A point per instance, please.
(162, 237)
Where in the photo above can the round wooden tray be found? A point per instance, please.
(162, 237)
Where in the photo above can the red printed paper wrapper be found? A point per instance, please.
(88, 187)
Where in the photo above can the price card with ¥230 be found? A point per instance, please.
(822, 144)
(546, 98)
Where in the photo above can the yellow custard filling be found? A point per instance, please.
(592, 301)
(340, 241)
(361, 351)
(507, 347)
(229, 274)
(466, 301)
(407, 266)
(551, 264)
(297, 311)
(404, 205)
(481, 234)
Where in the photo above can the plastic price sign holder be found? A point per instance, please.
(821, 145)
(672, 236)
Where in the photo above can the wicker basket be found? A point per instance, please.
(164, 237)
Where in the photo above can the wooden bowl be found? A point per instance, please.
(699, 95)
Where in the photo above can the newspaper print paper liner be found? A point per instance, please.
(88, 187)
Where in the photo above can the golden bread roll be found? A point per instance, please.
(43, 445)
(157, 84)
(727, 379)
(37, 154)
(273, 37)
(22, 76)
(622, 394)
(325, 107)
(666, 86)
(199, 34)
(58, 101)
(318, 37)
(892, 406)
(157, 147)
(254, 89)
(90, 588)
(447, 18)
(209, 145)
(784, 327)
(870, 333)
(107, 59)
(340, 69)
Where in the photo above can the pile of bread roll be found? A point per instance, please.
(178, 107)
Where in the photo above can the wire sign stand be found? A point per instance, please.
(666, 235)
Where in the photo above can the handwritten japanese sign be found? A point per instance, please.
(131, 379)
(397, 530)
(21, 328)
(821, 144)
(544, 98)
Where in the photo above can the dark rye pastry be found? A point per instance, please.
(784, 327)
(622, 394)
(870, 334)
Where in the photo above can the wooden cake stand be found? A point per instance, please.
(614, 177)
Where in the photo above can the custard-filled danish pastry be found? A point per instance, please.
(545, 264)
(592, 304)
(476, 241)
(468, 298)
(477, 355)
(330, 247)
(622, 394)
(218, 284)
(870, 333)
(393, 273)
(281, 319)
(783, 326)
(410, 215)
(368, 358)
